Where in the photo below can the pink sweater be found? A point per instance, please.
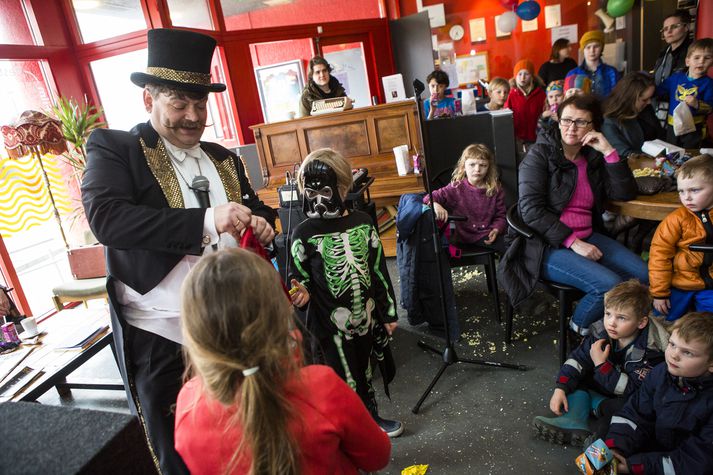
(578, 212)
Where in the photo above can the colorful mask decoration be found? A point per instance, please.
(321, 193)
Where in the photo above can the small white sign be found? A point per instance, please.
(553, 16)
(621, 22)
(567, 31)
(498, 31)
(394, 88)
(529, 25)
(436, 14)
(477, 30)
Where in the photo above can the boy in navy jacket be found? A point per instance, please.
(667, 425)
(609, 365)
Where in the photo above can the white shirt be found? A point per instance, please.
(158, 311)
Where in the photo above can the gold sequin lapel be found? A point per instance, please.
(160, 164)
(228, 172)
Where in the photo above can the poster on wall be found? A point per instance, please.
(280, 87)
(567, 31)
(553, 16)
(436, 14)
(498, 31)
(529, 25)
(472, 68)
(477, 30)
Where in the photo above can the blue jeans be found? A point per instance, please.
(684, 301)
(594, 278)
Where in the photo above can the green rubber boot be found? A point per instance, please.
(571, 427)
(596, 400)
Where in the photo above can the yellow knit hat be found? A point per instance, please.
(590, 36)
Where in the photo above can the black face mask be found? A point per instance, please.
(321, 194)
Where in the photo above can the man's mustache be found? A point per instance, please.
(185, 125)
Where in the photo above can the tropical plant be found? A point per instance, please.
(78, 121)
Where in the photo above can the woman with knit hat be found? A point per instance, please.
(602, 76)
(526, 100)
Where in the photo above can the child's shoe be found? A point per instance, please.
(569, 428)
(392, 428)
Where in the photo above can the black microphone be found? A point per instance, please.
(200, 187)
(418, 87)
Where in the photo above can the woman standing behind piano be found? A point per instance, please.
(321, 85)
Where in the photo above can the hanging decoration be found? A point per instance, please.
(507, 22)
(528, 10)
(616, 8)
(508, 4)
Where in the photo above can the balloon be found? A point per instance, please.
(507, 22)
(508, 4)
(617, 8)
(528, 10)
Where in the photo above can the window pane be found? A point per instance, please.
(22, 87)
(123, 102)
(190, 13)
(349, 65)
(14, 29)
(100, 19)
(248, 14)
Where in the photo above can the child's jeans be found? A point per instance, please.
(684, 301)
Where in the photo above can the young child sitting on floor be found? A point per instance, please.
(250, 406)
(666, 426)
(474, 192)
(610, 364)
(498, 90)
(693, 87)
(340, 269)
(438, 105)
(681, 279)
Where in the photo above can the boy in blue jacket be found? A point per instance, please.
(609, 365)
(667, 425)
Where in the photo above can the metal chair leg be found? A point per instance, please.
(565, 310)
(509, 311)
(490, 275)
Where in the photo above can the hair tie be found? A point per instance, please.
(250, 371)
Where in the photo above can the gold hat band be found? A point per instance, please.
(188, 77)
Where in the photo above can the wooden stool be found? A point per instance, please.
(79, 290)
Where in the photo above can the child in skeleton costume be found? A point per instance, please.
(339, 268)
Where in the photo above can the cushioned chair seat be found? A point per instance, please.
(79, 290)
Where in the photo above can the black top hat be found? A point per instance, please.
(180, 59)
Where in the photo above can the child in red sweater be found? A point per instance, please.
(251, 407)
(526, 100)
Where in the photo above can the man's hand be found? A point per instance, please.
(441, 212)
(390, 327)
(491, 236)
(300, 297)
(599, 352)
(558, 401)
(262, 230)
(662, 306)
(232, 218)
(584, 249)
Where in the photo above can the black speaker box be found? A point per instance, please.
(62, 440)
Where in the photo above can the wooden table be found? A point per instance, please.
(50, 364)
(654, 207)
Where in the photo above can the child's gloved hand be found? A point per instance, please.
(558, 401)
(300, 296)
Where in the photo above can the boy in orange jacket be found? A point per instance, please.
(681, 279)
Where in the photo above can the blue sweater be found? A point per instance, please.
(678, 86)
(604, 78)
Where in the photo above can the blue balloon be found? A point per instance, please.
(528, 10)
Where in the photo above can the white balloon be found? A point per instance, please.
(507, 22)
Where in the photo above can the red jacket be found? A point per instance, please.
(526, 110)
(336, 433)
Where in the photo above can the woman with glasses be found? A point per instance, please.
(675, 32)
(565, 181)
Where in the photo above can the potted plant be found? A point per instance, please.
(78, 121)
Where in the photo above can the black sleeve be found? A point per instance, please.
(612, 130)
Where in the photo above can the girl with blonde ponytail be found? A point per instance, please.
(250, 406)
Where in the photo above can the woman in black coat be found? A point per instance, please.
(629, 119)
(320, 85)
(565, 181)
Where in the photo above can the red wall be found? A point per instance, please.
(704, 23)
(265, 54)
(303, 11)
(505, 51)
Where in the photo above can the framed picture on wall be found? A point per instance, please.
(280, 87)
(472, 68)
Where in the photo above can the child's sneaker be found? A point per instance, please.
(392, 428)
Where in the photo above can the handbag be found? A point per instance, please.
(650, 185)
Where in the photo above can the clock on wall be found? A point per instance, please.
(456, 32)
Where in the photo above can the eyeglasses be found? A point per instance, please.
(579, 123)
(675, 26)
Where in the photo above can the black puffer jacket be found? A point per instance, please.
(313, 93)
(546, 184)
